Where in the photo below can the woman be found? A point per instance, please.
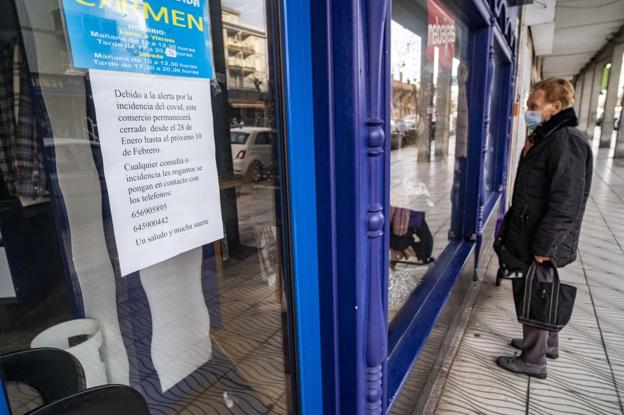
(550, 194)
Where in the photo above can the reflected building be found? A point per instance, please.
(404, 98)
(246, 69)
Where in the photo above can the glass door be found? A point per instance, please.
(142, 200)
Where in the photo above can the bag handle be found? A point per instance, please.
(533, 271)
(555, 271)
(528, 287)
(554, 295)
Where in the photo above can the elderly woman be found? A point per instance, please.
(549, 198)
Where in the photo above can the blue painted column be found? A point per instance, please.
(352, 104)
(376, 328)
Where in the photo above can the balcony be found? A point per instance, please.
(236, 65)
(235, 48)
(246, 94)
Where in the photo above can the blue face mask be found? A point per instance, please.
(532, 119)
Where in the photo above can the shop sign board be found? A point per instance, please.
(163, 37)
(440, 34)
(158, 151)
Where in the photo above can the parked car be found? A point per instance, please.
(409, 122)
(252, 151)
(397, 138)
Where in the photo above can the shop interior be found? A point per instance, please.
(226, 345)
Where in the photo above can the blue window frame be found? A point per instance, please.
(299, 123)
(499, 128)
(351, 181)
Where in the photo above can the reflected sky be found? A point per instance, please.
(406, 54)
(252, 11)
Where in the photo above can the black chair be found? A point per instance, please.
(54, 373)
(101, 400)
(59, 379)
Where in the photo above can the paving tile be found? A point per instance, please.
(588, 378)
(475, 384)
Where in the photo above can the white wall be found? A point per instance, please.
(525, 72)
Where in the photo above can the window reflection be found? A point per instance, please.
(429, 134)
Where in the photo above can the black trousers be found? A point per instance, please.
(536, 342)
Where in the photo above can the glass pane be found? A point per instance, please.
(493, 136)
(429, 135)
(204, 327)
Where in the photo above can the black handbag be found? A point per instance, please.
(543, 305)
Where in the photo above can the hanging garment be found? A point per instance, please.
(30, 178)
(7, 130)
(22, 158)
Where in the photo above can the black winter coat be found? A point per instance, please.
(550, 193)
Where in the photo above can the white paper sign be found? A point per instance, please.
(157, 140)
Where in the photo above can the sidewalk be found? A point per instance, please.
(588, 377)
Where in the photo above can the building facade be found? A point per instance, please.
(247, 69)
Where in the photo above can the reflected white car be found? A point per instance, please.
(252, 151)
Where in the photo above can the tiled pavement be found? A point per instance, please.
(588, 378)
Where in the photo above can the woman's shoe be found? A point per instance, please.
(516, 364)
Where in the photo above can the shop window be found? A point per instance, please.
(134, 211)
(429, 138)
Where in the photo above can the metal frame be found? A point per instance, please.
(299, 124)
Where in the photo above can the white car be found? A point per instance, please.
(252, 151)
